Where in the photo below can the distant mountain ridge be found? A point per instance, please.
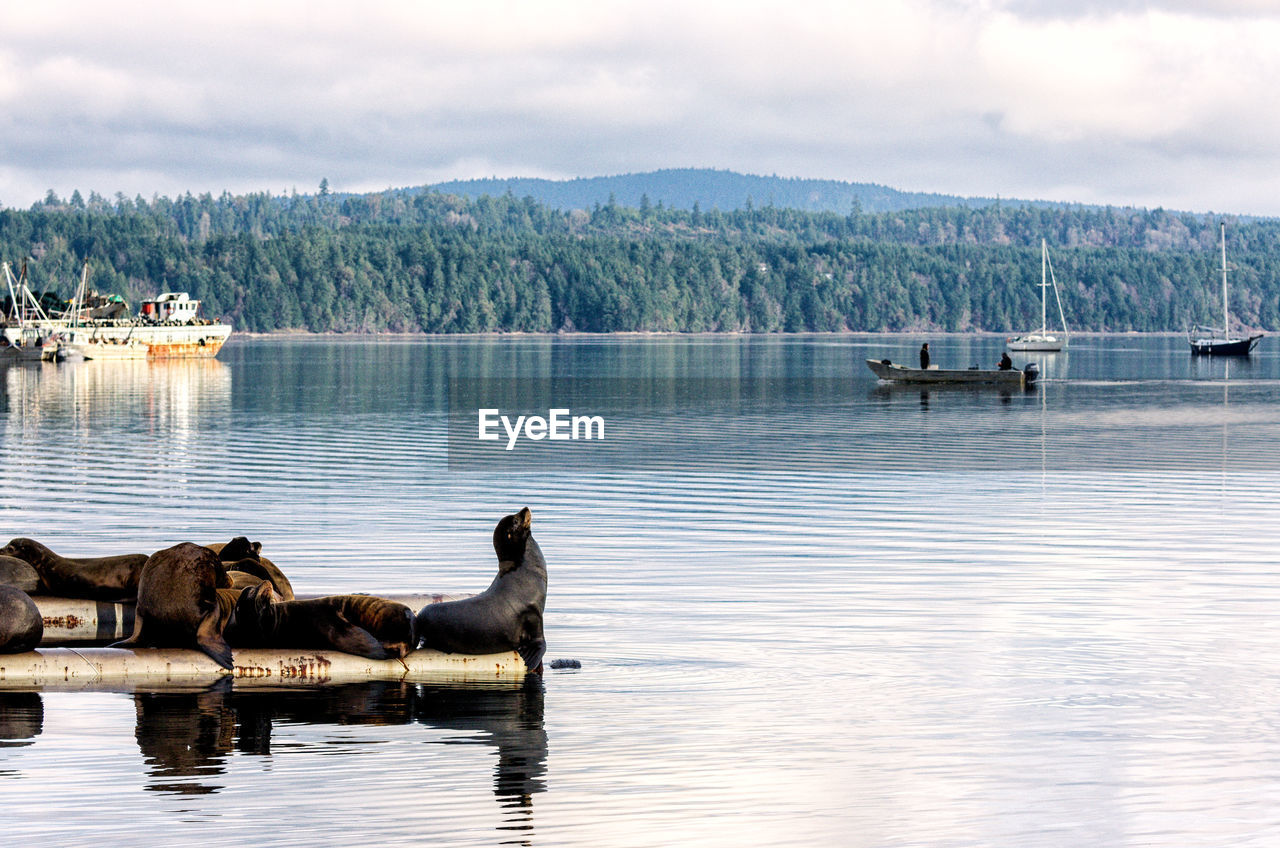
(682, 188)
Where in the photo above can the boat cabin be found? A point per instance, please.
(173, 307)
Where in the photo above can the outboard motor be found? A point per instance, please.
(1032, 371)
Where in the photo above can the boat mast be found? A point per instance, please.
(1044, 260)
(1226, 323)
(13, 297)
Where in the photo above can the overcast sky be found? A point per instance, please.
(1172, 103)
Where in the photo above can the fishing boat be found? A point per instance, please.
(1206, 341)
(27, 344)
(1042, 340)
(168, 325)
(886, 370)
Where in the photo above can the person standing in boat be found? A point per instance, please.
(924, 356)
(1006, 364)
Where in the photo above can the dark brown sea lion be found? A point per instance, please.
(18, 574)
(354, 624)
(234, 555)
(111, 578)
(178, 603)
(227, 607)
(506, 616)
(21, 625)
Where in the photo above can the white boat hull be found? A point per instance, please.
(1036, 343)
(161, 341)
(107, 350)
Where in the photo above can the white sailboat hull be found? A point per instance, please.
(1036, 342)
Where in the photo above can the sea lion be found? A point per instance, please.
(18, 574)
(110, 578)
(234, 555)
(178, 603)
(227, 599)
(354, 624)
(243, 579)
(238, 548)
(21, 625)
(506, 616)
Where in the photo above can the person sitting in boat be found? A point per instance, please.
(1006, 364)
(924, 356)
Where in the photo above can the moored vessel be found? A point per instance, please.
(1042, 340)
(1206, 341)
(167, 326)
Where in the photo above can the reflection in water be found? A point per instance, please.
(511, 720)
(21, 719)
(170, 393)
(191, 734)
(86, 433)
(185, 734)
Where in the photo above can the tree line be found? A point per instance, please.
(416, 260)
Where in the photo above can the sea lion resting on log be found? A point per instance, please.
(18, 574)
(178, 603)
(363, 625)
(21, 625)
(250, 567)
(111, 578)
(506, 616)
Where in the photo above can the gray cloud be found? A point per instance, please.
(1159, 104)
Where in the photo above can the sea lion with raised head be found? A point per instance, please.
(340, 622)
(178, 603)
(110, 578)
(21, 625)
(508, 615)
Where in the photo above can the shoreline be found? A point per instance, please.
(639, 334)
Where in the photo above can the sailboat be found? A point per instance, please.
(1205, 341)
(1042, 340)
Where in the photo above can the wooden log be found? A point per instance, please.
(56, 668)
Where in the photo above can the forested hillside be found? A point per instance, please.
(429, 262)
(684, 188)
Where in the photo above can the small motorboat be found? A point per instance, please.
(886, 370)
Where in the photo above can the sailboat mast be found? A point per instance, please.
(1044, 259)
(1226, 323)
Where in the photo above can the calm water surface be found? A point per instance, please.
(810, 610)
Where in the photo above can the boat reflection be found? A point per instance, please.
(173, 394)
(894, 391)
